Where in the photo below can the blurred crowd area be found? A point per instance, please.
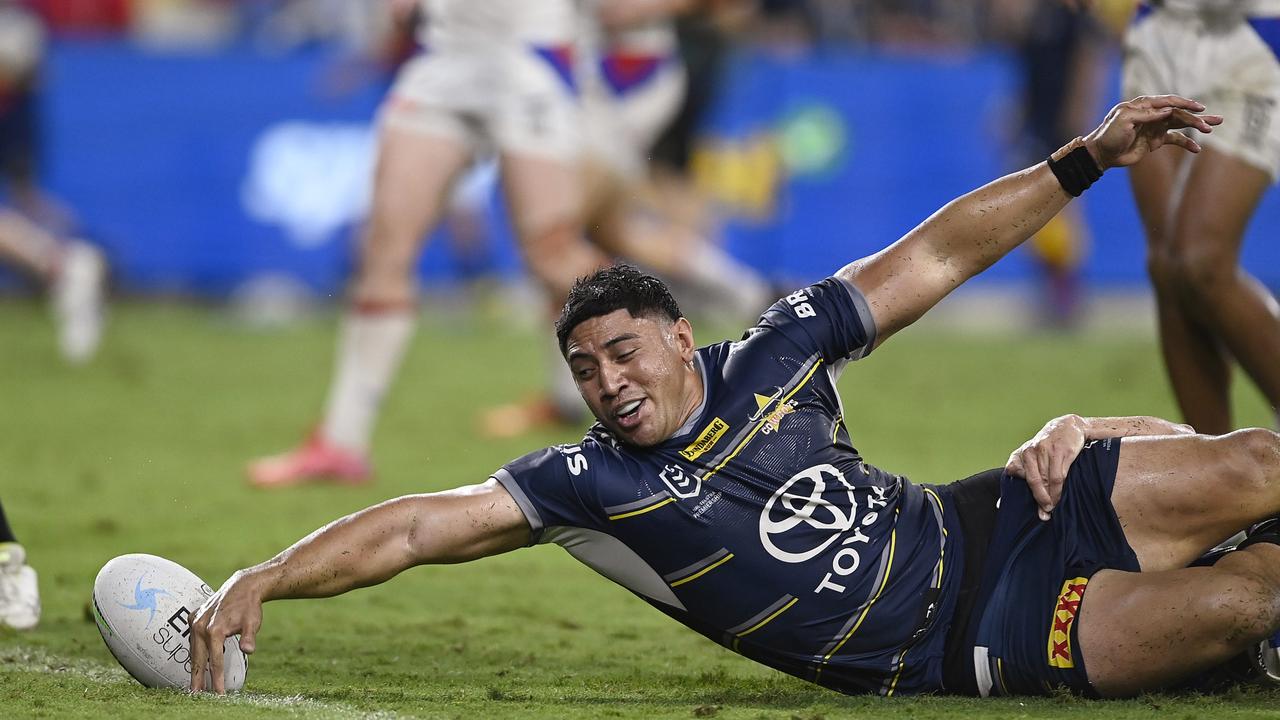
(800, 118)
(926, 25)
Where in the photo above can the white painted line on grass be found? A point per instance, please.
(27, 659)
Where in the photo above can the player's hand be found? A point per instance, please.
(235, 609)
(1134, 129)
(1043, 461)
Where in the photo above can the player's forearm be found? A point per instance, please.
(1101, 428)
(973, 231)
(361, 549)
(966, 236)
(375, 544)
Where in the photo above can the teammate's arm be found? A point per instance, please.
(1043, 461)
(362, 549)
(971, 232)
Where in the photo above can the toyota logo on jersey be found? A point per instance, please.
(803, 501)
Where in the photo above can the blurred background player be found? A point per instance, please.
(19, 593)
(632, 82)
(497, 75)
(33, 226)
(1195, 209)
(1059, 56)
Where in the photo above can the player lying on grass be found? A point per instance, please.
(722, 487)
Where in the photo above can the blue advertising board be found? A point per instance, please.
(201, 172)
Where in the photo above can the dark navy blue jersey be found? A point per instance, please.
(757, 523)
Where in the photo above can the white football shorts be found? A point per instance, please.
(624, 120)
(508, 98)
(1227, 62)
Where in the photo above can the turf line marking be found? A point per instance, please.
(27, 659)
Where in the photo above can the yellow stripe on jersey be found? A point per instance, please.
(902, 664)
(884, 582)
(936, 583)
(703, 571)
(767, 620)
(759, 425)
(643, 510)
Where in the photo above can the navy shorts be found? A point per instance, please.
(1036, 575)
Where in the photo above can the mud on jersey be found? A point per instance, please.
(758, 524)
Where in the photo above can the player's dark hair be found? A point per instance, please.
(620, 287)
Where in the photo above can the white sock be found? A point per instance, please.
(370, 348)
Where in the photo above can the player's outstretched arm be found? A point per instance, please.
(1043, 461)
(971, 232)
(361, 549)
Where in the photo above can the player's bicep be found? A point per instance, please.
(466, 524)
(900, 283)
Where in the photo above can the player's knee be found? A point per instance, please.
(1162, 266)
(1245, 601)
(1202, 264)
(1245, 466)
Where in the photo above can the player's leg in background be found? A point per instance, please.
(415, 169)
(622, 214)
(19, 594)
(678, 253)
(74, 273)
(1216, 293)
(1198, 367)
(544, 196)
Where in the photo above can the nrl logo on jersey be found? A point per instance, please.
(681, 484)
(772, 420)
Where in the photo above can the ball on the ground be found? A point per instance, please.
(143, 606)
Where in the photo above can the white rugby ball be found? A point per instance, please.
(143, 606)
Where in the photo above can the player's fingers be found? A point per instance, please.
(1035, 482)
(199, 650)
(198, 659)
(1058, 468)
(1184, 119)
(1143, 115)
(249, 637)
(1014, 465)
(1182, 141)
(217, 639)
(1170, 101)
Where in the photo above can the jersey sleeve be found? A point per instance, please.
(831, 318)
(542, 484)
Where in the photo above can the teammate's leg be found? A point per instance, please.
(1221, 195)
(414, 172)
(19, 593)
(1198, 366)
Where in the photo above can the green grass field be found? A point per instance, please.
(142, 451)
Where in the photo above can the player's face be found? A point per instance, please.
(636, 374)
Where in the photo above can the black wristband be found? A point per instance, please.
(1074, 167)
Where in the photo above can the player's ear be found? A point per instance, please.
(683, 331)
